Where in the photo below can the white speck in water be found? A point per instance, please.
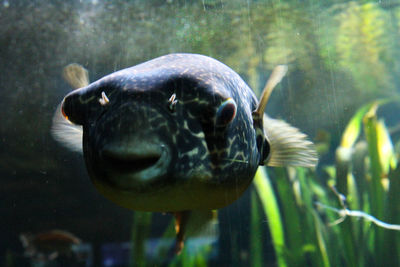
(6, 4)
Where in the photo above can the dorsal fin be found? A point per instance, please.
(276, 76)
(76, 75)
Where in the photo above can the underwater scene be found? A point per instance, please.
(199, 133)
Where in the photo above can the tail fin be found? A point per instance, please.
(196, 224)
(289, 146)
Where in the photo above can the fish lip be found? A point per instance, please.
(146, 165)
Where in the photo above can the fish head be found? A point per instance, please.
(157, 140)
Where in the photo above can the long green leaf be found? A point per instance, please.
(376, 189)
(313, 234)
(392, 245)
(291, 203)
(271, 209)
(256, 233)
(353, 128)
(385, 148)
(321, 241)
(140, 231)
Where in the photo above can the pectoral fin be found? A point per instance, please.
(67, 133)
(289, 146)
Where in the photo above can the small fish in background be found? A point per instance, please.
(49, 245)
(182, 133)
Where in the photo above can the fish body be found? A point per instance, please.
(177, 133)
(49, 244)
(146, 157)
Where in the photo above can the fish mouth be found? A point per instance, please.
(130, 162)
(134, 166)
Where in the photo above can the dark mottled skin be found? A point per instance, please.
(210, 165)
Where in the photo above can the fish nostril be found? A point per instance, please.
(129, 162)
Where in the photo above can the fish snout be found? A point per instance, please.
(132, 166)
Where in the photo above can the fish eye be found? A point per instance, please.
(63, 112)
(226, 112)
(73, 109)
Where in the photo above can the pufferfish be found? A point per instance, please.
(181, 133)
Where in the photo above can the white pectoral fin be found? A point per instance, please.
(289, 146)
(65, 132)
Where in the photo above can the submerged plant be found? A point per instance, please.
(356, 223)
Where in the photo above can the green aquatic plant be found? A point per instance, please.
(140, 231)
(363, 30)
(271, 209)
(356, 222)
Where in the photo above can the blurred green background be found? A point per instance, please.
(341, 89)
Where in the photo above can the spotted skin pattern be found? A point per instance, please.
(206, 161)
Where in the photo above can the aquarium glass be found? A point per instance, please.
(341, 89)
